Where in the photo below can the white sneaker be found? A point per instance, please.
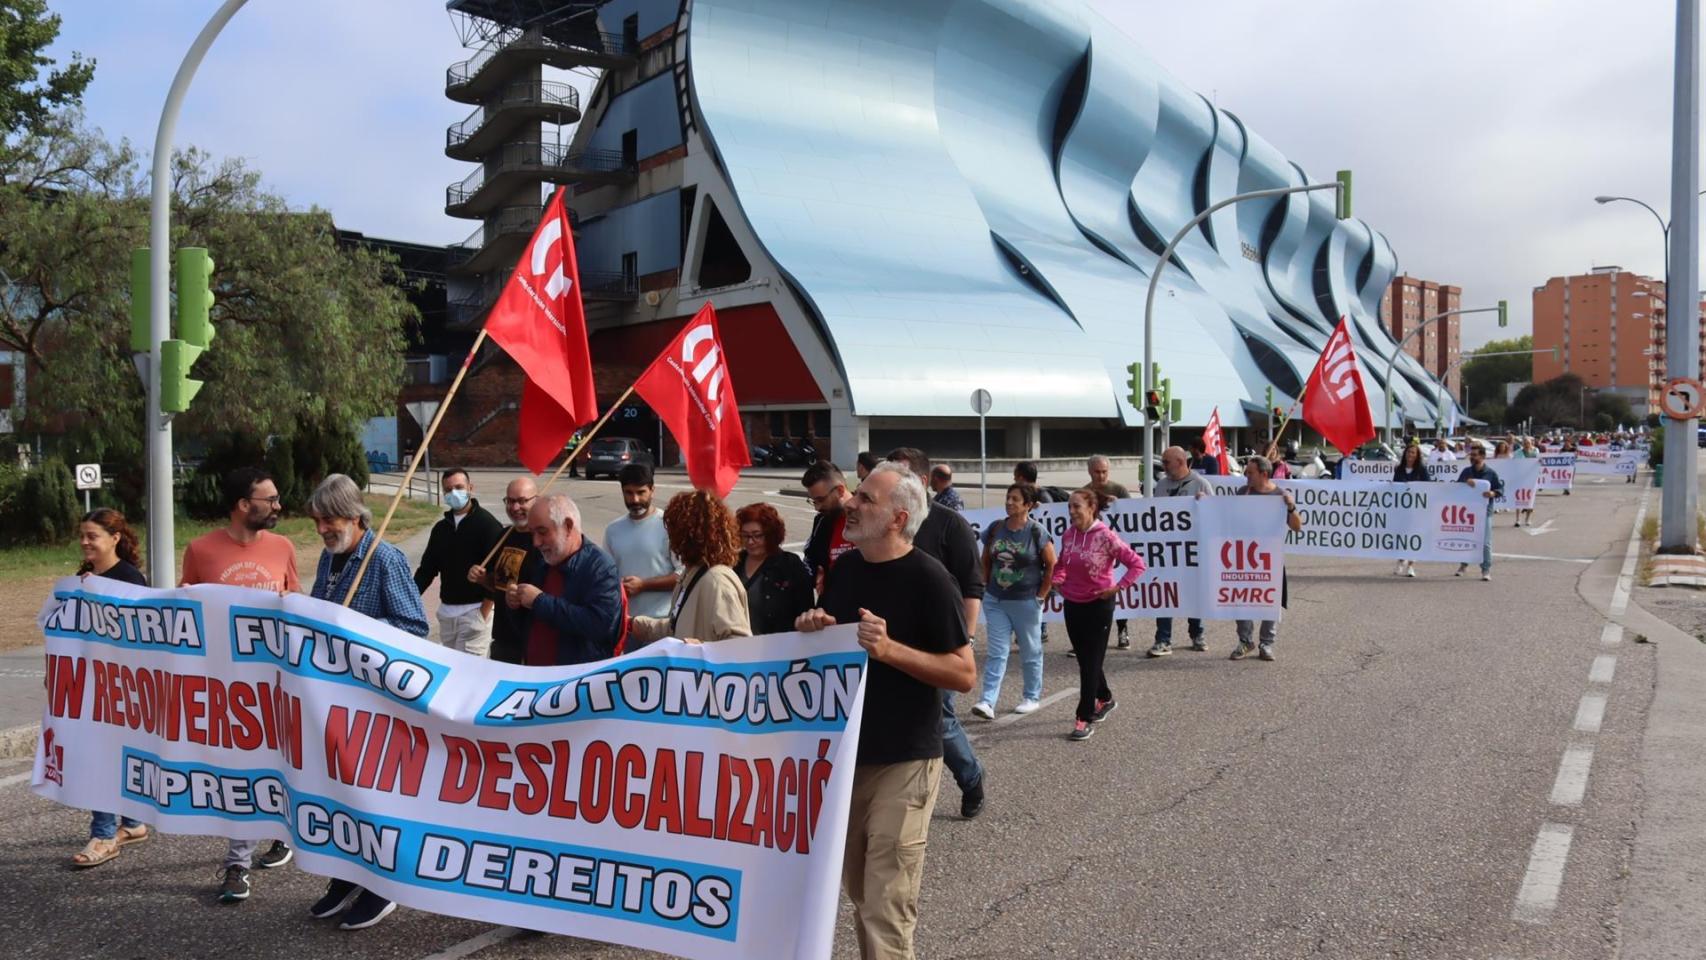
(1486, 577)
(1460, 568)
(1398, 571)
(983, 710)
(1028, 706)
(1410, 569)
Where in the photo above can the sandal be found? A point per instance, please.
(129, 835)
(94, 853)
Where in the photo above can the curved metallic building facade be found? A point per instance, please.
(973, 193)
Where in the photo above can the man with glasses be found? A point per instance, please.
(245, 553)
(457, 544)
(516, 561)
(826, 488)
(1478, 470)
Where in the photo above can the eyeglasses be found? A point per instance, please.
(270, 501)
(752, 534)
(518, 501)
(820, 501)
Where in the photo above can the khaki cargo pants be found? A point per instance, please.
(883, 866)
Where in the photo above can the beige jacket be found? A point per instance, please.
(715, 610)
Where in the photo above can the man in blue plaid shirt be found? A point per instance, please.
(388, 594)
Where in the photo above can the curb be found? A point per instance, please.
(17, 742)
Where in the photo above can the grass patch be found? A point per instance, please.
(24, 563)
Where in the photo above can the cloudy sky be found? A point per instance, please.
(1479, 131)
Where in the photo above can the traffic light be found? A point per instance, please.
(195, 330)
(1134, 384)
(1342, 196)
(1504, 312)
(141, 340)
(1270, 396)
(1152, 404)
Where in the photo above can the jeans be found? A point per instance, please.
(956, 749)
(1487, 545)
(1266, 636)
(1164, 629)
(104, 826)
(1087, 627)
(1006, 620)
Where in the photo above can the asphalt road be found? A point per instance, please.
(1390, 787)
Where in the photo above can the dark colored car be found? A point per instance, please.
(608, 455)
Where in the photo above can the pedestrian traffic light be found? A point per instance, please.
(1134, 383)
(1270, 396)
(1504, 312)
(141, 338)
(1342, 196)
(195, 330)
(1152, 404)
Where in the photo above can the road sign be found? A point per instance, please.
(88, 476)
(1682, 399)
(981, 401)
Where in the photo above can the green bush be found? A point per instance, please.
(44, 509)
(1656, 452)
(281, 463)
(203, 497)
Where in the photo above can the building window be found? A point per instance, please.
(631, 148)
(631, 33)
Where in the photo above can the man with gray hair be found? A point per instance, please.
(1178, 479)
(576, 598)
(911, 623)
(387, 593)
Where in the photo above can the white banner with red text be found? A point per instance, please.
(682, 798)
(1214, 559)
(1557, 471)
(1521, 476)
(1434, 522)
(1602, 461)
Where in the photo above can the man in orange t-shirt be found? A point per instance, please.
(246, 553)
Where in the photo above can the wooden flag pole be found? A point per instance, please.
(414, 462)
(586, 438)
(1273, 444)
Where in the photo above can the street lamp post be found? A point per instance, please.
(1392, 361)
(162, 550)
(1341, 186)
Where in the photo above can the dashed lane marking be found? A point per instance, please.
(1590, 713)
(473, 945)
(1545, 874)
(1612, 634)
(1572, 782)
(1604, 667)
(14, 778)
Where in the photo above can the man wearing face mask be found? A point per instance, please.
(457, 543)
(245, 553)
(343, 522)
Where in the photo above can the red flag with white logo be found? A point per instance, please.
(1214, 444)
(688, 388)
(1334, 402)
(540, 322)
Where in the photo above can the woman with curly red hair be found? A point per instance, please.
(708, 602)
(778, 584)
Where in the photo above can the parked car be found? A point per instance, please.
(608, 455)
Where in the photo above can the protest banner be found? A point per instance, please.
(1214, 559)
(1432, 522)
(683, 798)
(1557, 471)
(1602, 461)
(1446, 472)
(1521, 477)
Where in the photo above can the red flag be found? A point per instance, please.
(1214, 444)
(1334, 402)
(540, 322)
(688, 388)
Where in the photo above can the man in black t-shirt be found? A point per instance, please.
(912, 625)
(947, 536)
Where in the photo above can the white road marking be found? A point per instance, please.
(472, 945)
(1530, 556)
(1545, 875)
(1005, 719)
(14, 778)
(1604, 666)
(1572, 782)
(1626, 576)
(1590, 713)
(1541, 530)
(1612, 634)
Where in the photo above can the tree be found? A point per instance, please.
(308, 331)
(28, 100)
(1565, 401)
(1484, 379)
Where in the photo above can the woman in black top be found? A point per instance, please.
(778, 585)
(109, 550)
(1412, 468)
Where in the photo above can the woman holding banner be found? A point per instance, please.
(1018, 565)
(109, 550)
(1412, 468)
(1525, 451)
(1089, 551)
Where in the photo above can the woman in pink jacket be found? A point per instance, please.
(1084, 575)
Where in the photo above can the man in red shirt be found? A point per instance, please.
(826, 488)
(246, 553)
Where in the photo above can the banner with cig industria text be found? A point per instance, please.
(683, 798)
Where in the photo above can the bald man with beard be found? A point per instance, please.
(516, 561)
